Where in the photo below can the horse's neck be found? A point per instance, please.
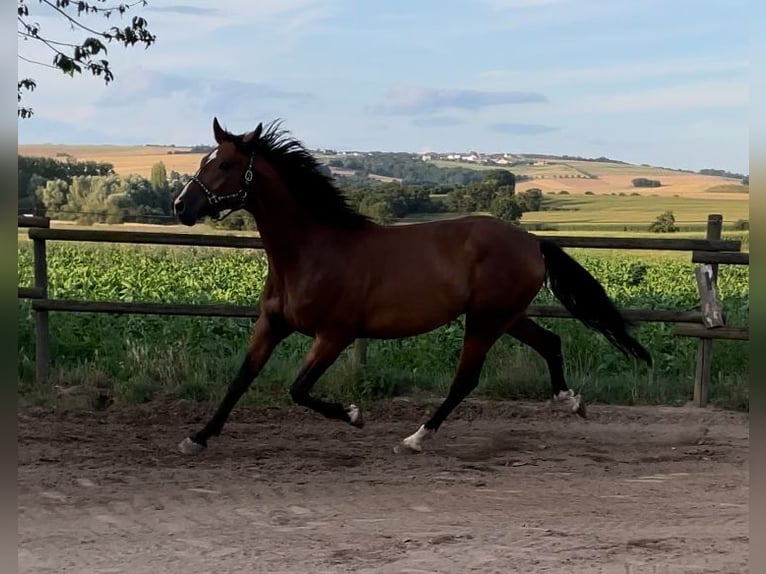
(287, 233)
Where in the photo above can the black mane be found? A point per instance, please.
(311, 187)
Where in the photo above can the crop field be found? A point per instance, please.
(125, 159)
(571, 176)
(630, 211)
(141, 357)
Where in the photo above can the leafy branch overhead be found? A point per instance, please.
(79, 55)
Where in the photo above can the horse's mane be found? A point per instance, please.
(308, 181)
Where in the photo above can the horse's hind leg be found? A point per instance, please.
(477, 341)
(267, 334)
(548, 345)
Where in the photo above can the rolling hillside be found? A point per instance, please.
(550, 175)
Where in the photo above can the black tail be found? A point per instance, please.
(584, 297)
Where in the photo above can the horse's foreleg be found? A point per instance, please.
(267, 334)
(548, 345)
(323, 353)
(476, 344)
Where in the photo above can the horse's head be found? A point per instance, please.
(223, 179)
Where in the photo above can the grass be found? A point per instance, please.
(612, 211)
(729, 188)
(140, 357)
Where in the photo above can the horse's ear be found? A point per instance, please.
(218, 131)
(253, 135)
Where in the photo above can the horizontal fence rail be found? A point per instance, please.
(732, 258)
(245, 311)
(239, 241)
(146, 238)
(33, 221)
(710, 251)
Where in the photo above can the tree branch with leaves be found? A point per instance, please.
(83, 55)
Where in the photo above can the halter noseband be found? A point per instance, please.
(241, 194)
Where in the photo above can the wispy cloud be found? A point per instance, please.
(436, 122)
(215, 94)
(415, 101)
(521, 129)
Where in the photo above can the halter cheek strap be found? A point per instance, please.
(241, 195)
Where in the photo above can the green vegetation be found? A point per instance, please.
(407, 168)
(645, 182)
(631, 213)
(665, 223)
(72, 53)
(729, 188)
(90, 192)
(195, 358)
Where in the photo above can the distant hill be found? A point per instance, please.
(551, 174)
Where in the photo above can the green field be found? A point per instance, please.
(195, 358)
(602, 211)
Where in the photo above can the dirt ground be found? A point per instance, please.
(502, 488)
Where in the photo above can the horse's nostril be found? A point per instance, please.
(178, 207)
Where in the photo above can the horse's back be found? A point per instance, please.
(438, 270)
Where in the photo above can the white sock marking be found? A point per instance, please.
(571, 398)
(415, 440)
(188, 446)
(353, 413)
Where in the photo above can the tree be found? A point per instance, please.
(646, 182)
(531, 199)
(80, 55)
(159, 177)
(506, 207)
(53, 194)
(665, 223)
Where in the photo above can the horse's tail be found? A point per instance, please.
(584, 297)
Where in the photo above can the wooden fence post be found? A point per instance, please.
(42, 331)
(702, 374)
(359, 359)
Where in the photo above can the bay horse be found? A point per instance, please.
(335, 275)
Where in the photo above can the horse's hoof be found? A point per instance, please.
(355, 416)
(413, 444)
(405, 448)
(188, 446)
(581, 410)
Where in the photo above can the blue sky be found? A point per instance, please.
(658, 82)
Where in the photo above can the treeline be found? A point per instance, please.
(600, 159)
(724, 173)
(90, 192)
(34, 172)
(411, 170)
(495, 193)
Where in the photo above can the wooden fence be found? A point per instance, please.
(706, 324)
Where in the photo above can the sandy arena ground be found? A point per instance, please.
(502, 488)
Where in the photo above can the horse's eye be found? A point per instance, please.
(224, 165)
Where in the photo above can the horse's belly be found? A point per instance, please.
(408, 316)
